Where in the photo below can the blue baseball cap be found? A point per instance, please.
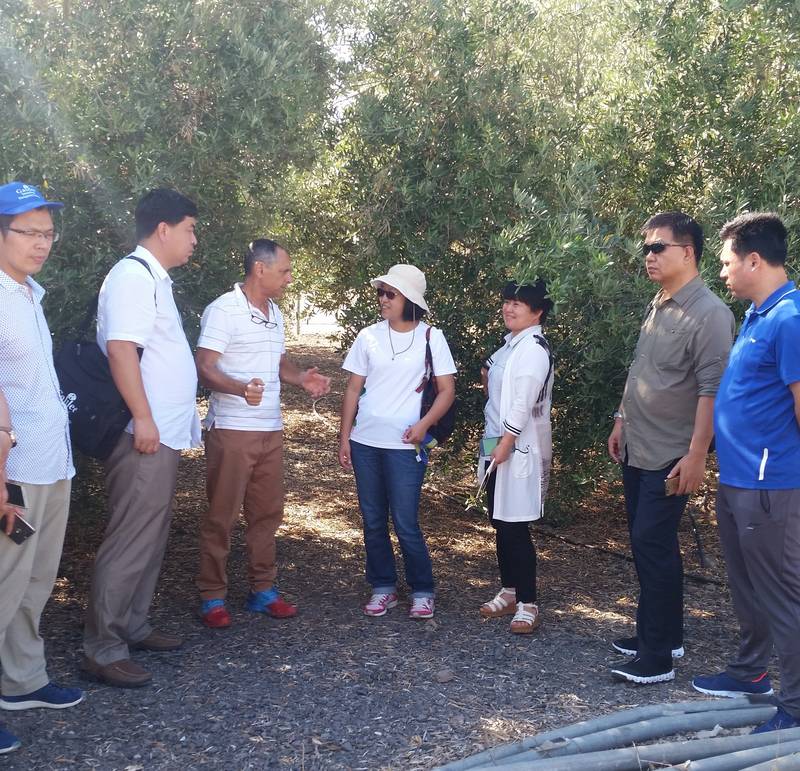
(17, 197)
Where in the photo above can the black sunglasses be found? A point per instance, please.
(387, 293)
(657, 247)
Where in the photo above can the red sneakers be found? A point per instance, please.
(216, 617)
(281, 609)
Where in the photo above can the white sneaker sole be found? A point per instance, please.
(643, 679)
(731, 694)
(10, 748)
(677, 653)
(13, 706)
(379, 613)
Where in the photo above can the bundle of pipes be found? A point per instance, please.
(609, 743)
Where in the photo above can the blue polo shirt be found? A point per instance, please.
(757, 435)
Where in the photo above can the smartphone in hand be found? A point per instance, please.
(15, 496)
(671, 486)
(22, 528)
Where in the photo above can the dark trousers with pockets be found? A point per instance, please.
(653, 520)
(516, 554)
(760, 534)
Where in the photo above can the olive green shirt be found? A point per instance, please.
(681, 354)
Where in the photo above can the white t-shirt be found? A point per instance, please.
(390, 403)
(129, 310)
(250, 348)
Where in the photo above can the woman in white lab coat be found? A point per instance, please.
(518, 379)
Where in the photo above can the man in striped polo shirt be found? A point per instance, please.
(241, 358)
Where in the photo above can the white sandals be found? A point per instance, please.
(502, 604)
(526, 619)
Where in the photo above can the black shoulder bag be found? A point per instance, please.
(442, 429)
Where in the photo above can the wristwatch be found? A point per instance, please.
(10, 431)
(617, 414)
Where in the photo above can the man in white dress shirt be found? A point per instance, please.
(35, 454)
(140, 330)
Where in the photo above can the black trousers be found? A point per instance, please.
(516, 554)
(653, 520)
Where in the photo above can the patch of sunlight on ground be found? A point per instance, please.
(592, 613)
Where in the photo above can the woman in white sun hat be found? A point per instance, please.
(382, 433)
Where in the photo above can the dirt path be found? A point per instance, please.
(332, 688)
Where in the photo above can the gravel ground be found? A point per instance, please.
(332, 688)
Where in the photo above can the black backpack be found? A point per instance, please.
(97, 413)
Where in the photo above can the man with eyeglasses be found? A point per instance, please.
(35, 454)
(241, 357)
(662, 432)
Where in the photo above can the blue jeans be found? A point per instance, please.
(390, 481)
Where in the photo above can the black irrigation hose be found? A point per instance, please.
(637, 757)
(644, 731)
(586, 727)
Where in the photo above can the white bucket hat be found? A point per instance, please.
(407, 280)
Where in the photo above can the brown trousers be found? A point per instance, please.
(140, 492)
(243, 467)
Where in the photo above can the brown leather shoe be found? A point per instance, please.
(158, 641)
(123, 673)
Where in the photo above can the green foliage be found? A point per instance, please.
(477, 139)
(222, 101)
(489, 140)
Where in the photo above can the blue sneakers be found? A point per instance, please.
(51, 696)
(725, 685)
(8, 742)
(780, 720)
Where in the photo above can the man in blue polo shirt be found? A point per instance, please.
(757, 425)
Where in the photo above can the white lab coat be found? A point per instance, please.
(521, 484)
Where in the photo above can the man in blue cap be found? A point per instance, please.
(35, 454)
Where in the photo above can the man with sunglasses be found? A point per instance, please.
(241, 357)
(662, 431)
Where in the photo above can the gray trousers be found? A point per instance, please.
(27, 574)
(760, 534)
(140, 492)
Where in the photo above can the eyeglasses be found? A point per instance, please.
(387, 293)
(657, 247)
(51, 236)
(256, 319)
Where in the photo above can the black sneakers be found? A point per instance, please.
(644, 671)
(630, 647)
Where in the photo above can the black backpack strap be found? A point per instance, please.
(541, 341)
(91, 307)
(428, 373)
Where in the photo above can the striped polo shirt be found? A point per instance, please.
(251, 345)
